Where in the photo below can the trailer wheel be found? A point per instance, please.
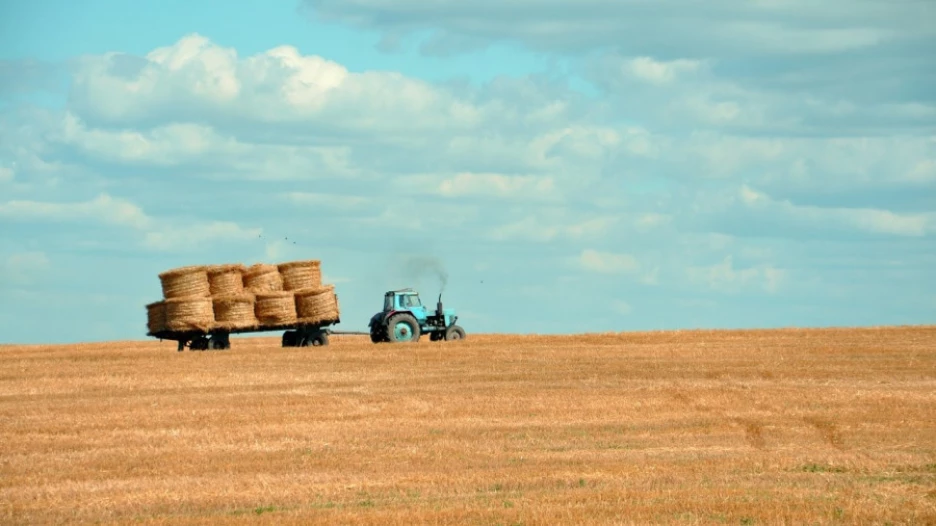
(290, 339)
(219, 342)
(318, 339)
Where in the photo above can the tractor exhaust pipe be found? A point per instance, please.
(439, 305)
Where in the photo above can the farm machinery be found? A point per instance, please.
(404, 319)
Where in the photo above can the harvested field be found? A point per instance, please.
(691, 427)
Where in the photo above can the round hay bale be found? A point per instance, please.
(226, 280)
(298, 275)
(234, 312)
(156, 317)
(261, 278)
(275, 308)
(185, 281)
(189, 314)
(317, 305)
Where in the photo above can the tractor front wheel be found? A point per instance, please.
(454, 333)
(402, 328)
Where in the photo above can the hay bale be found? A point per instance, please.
(156, 317)
(191, 313)
(262, 278)
(298, 275)
(275, 308)
(226, 280)
(185, 281)
(235, 312)
(317, 305)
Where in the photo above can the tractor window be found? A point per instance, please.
(388, 303)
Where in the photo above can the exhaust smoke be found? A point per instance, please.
(418, 267)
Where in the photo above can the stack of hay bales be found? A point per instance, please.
(186, 300)
(232, 303)
(233, 297)
(314, 303)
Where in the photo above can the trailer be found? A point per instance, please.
(295, 335)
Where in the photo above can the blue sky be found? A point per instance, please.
(571, 166)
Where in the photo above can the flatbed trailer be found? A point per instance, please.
(295, 335)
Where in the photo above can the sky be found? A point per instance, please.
(566, 167)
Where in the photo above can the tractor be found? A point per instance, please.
(404, 319)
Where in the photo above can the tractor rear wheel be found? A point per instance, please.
(402, 328)
(454, 333)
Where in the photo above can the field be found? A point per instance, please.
(832, 426)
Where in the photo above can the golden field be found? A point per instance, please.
(831, 426)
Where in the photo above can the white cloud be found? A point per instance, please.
(621, 307)
(496, 185)
(608, 263)
(492, 185)
(701, 29)
(197, 76)
(870, 220)
(23, 268)
(724, 277)
(195, 235)
(660, 72)
(157, 233)
(338, 201)
(103, 208)
(551, 227)
(6, 174)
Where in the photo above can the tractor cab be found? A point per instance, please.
(405, 318)
(406, 299)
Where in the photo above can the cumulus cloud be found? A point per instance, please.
(703, 29)
(207, 82)
(605, 263)
(873, 221)
(698, 162)
(22, 268)
(156, 233)
(724, 277)
(102, 208)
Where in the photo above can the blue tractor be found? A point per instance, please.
(404, 319)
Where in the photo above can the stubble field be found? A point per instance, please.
(789, 426)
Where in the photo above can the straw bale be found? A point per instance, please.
(275, 308)
(189, 314)
(298, 275)
(226, 280)
(261, 278)
(156, 317)
(185, 281)
(235, 312)
(316, 305)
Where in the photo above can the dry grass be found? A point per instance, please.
(692, 427)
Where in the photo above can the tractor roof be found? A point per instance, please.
(403, 291)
